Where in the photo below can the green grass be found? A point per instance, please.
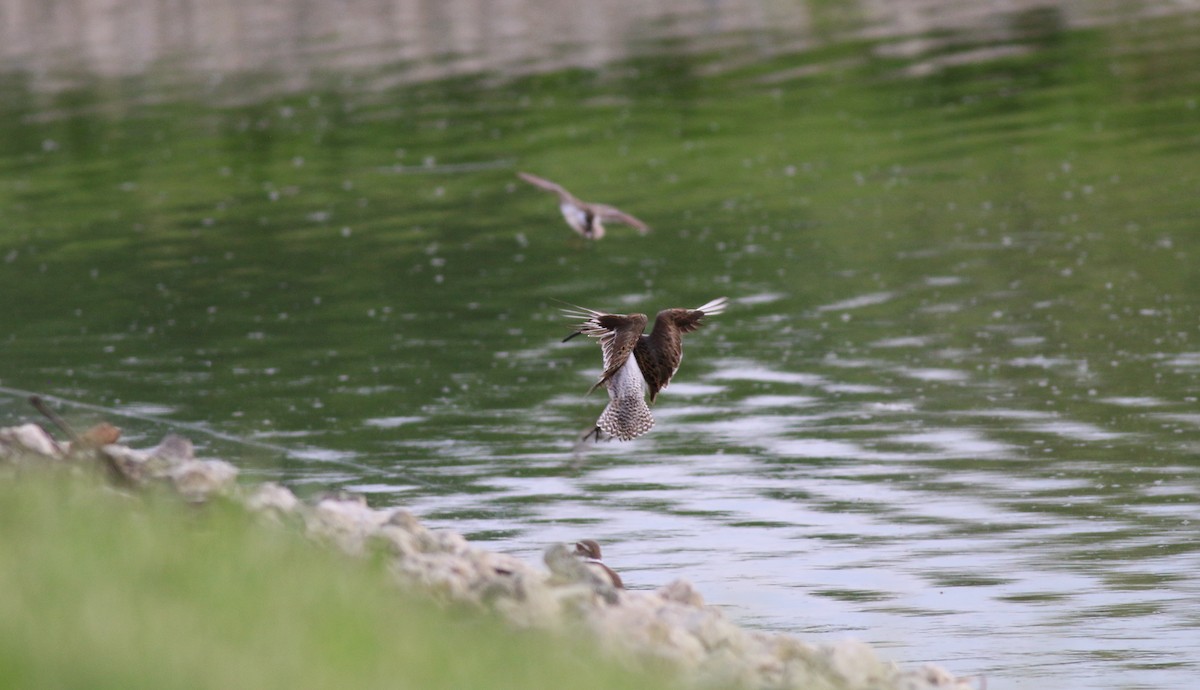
(99, 590)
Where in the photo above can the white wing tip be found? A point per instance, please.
(714, 307)
(574, 311)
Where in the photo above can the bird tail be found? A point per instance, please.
(626, 417)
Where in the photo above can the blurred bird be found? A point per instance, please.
(588, 550)
(566, 567)
(583, 217)
(635, 362)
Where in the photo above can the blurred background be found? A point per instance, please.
(951, 410)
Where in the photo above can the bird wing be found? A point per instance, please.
(655, 369)
(618, 334)
(659, 354)
(543, 183)
(693, 320)
(616, 215)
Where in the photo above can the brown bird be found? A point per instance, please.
(583, 217)
(588, 551)
(655, 359)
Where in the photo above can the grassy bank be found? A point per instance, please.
(98, 590)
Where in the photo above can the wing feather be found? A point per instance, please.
(543, 183)
(617, 333)
(616, 215)
(694, 318)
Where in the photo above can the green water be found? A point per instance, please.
(951, 410)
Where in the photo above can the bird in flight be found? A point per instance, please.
(635, 363)
(585, 218)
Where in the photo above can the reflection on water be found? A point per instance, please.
(952, 406)
(293, 41)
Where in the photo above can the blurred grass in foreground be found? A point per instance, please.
(98, 590)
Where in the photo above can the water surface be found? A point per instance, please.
(951, 410)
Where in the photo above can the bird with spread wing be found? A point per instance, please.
(584, 217)
(636, 363)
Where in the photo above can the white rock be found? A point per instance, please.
(671, 624)
(680, 591)
(174, 449)
(198, 480)
(28, 438)
(348, 523)
(272, 498)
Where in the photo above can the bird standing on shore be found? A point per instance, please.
(585, 218)
(635, 363)
(588, 551)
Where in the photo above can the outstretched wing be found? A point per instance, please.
(543, 183)
(693, 319)
(618, 333)
(659, 355)
(616, 215)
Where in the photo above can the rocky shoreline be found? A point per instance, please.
(669, 626)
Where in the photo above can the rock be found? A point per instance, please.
(174, 449)
(199, 480)
(348, 523)
(445, 541)
(682, 592)
(405, 520)
(272, 499)
(26, 439)
(341, 495)
(670, 625)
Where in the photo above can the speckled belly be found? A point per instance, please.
(627, 415)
